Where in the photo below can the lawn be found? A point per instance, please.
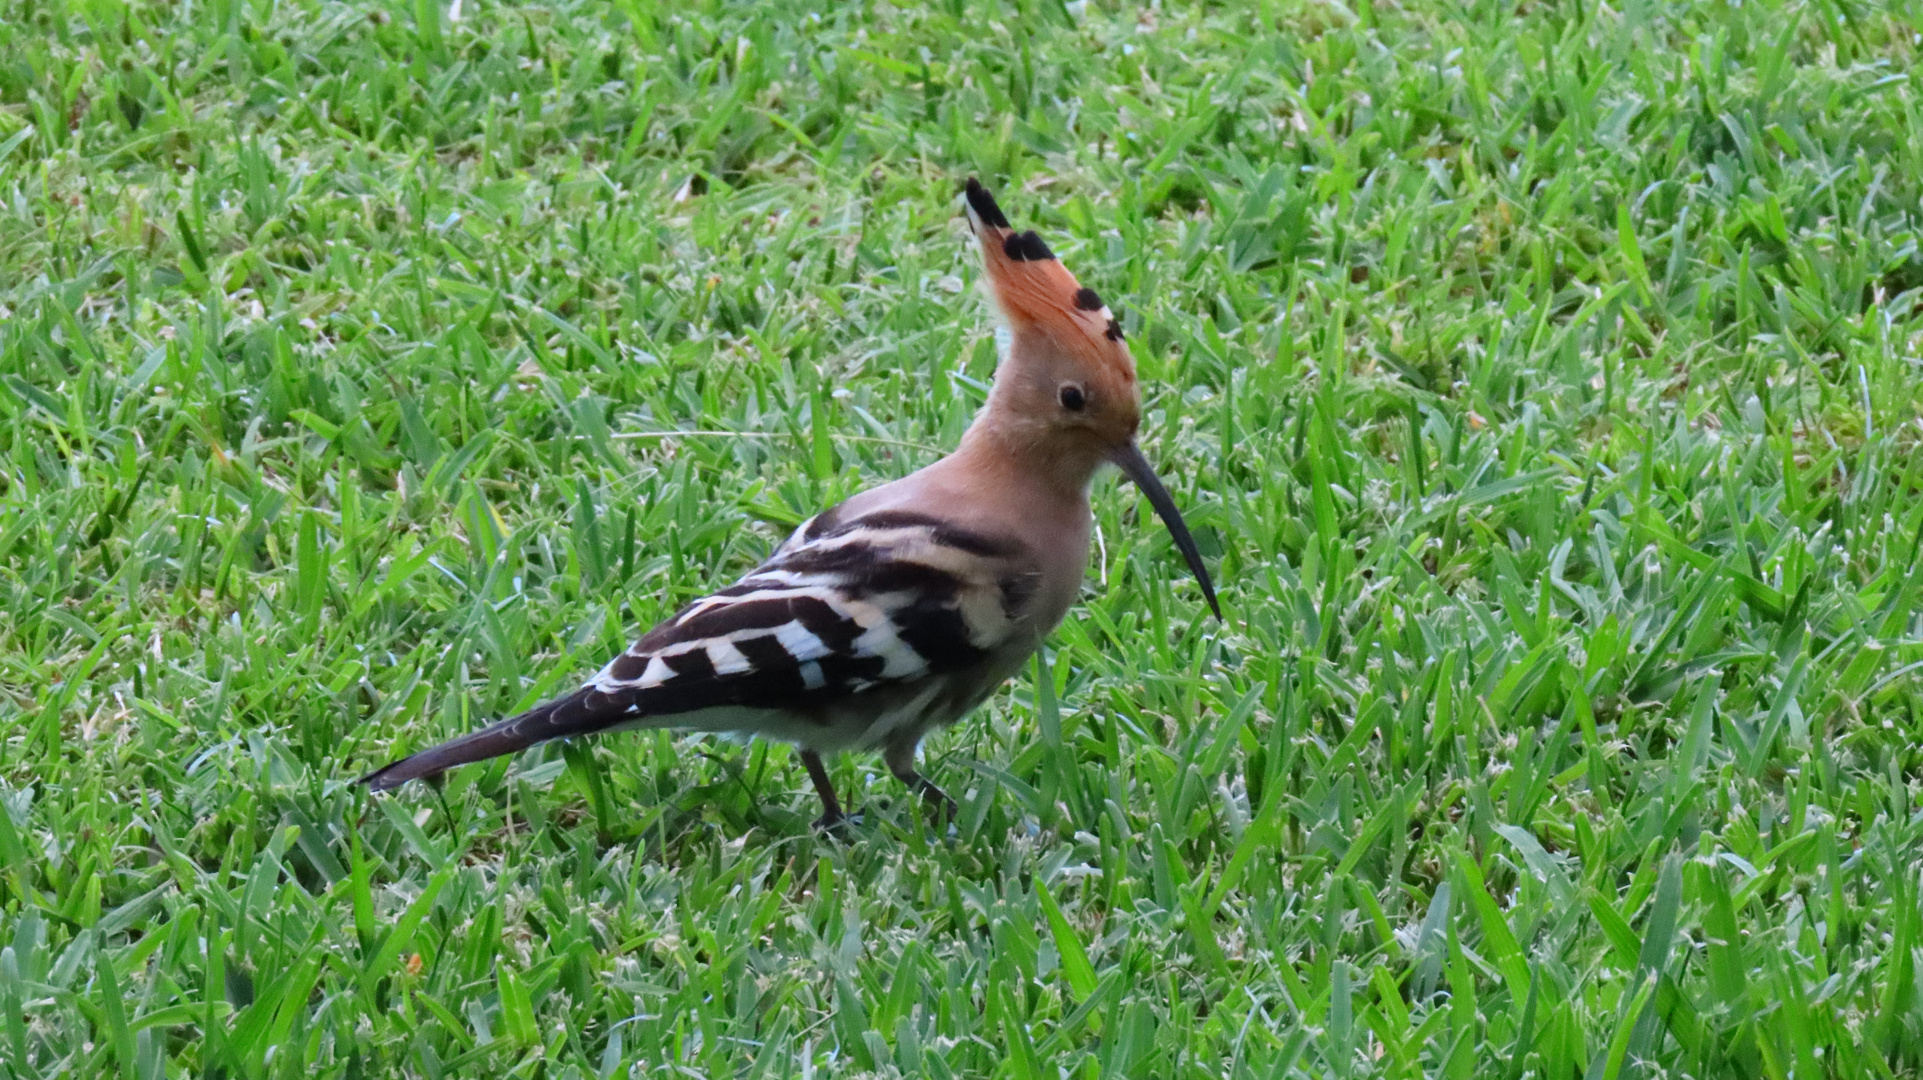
(1541, 379)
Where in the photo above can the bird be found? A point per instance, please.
(898, 611)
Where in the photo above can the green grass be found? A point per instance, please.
(1542, 382)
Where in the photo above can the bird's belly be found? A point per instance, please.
(946, 699)
(861, 721)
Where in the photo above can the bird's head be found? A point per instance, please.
(1066, 393)
(1068, 380)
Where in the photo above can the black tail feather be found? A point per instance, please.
(583, 712)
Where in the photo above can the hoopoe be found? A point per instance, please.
(901, 609)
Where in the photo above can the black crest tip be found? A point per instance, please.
(1026, 247)
(984, 205)
(1088, 299)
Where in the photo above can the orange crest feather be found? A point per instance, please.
(1039, 297)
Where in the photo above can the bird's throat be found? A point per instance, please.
(1019, 455)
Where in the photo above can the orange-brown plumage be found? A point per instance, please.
(1040, 298)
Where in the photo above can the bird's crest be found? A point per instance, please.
(1037, 294)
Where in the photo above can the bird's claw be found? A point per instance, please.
(941, 806)
(837, 824)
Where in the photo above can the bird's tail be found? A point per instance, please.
(571, 714)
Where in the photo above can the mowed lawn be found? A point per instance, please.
(1542, 380)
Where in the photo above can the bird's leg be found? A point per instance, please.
(900, 758)
(831, 817)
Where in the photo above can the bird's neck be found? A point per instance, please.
(1026, 455)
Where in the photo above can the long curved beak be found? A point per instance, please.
(1129, 458)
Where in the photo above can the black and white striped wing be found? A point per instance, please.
(843, 610)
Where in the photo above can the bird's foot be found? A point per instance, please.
(941, 806)
(836, 824)
(938, 807)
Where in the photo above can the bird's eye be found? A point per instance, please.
(1073, 399)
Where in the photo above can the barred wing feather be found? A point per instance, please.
(841, 611)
